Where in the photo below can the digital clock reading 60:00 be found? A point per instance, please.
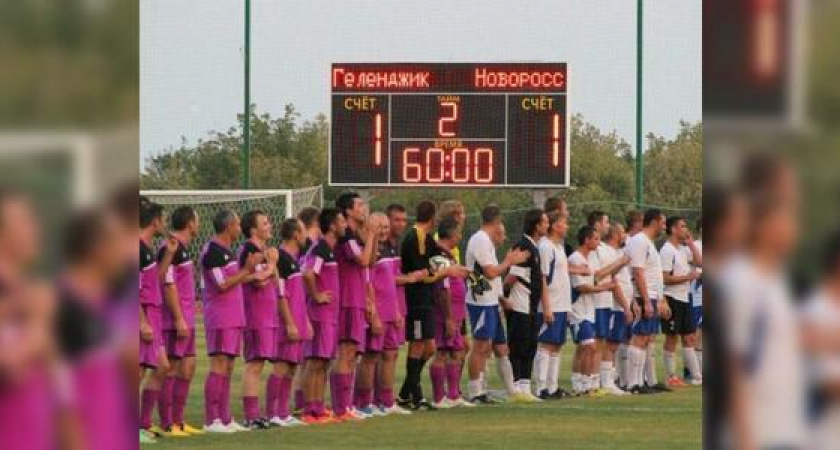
(454, 124)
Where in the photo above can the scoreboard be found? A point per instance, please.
(449, 124)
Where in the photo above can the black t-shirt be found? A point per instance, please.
(181, 255)
(287, 265)
(415, 254)
(534, 266)
(216, 256)
(247, 249)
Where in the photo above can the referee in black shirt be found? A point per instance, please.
(418, 247)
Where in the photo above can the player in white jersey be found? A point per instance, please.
(677, 256)
(646, 269)
(696, 296)
(621, 315)
(584, 374)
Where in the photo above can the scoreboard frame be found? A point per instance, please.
(502, 184)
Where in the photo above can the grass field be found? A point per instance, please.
(662, 421)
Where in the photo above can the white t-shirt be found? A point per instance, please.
(583, 305)
(764, 333)
(602, 259)
(677, 262)
(622, 276)
(480, 253)
(643, 255)
(697, 285)
(555, 267)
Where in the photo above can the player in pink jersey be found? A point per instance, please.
(354, 253)
(152, 353)
(224, 317)
(322, 287)
(312, 233)
(294, 326)
(179, 324)
(261, 321)
(450, 324)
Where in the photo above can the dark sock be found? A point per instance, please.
(418, 387)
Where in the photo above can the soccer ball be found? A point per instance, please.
(436, 263)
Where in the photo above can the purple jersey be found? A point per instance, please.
(149, 279)
(352, 274)
(222, 309)
(457, 291)
(294, 293)
(385, 285)
(321, 261)
(260, 301)
(180, 273)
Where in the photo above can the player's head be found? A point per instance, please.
(588, 238)
(226, 223)
(615, 234)
(397, 218)
(491, 218)
(292, 230)
(726, 219)
(20, 231)
(90, 238)
(332, 222)
(634, 222)
(598, 220)
(535, 223)
(654, 220)
(498, 234)
(151, 217)
(379, 221)
(453, 208)
(676, 227)
(557, 204)
(772, 192)
(184, 218)
(449, 230)
(309, 217)
(699, 227)
(558, 225)
(426, 212)
(256, 224)
(352, 206)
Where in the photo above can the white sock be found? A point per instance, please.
(525, 386)
(650, 365)
(482, 378)
(475, 387)
(670, 364)
(506, 373)
(621, 364)
(594, 381)
(553, 373)
(690, 358)
(606, 373)
(541, 368)
(576, 382)
(699, 352)
(635, 365)
(484, 374)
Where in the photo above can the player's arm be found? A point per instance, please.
(513, 257)
(678, 279)
(612, 268)
(145, 327)
(284, 309)
(411, 277)
(548, 314)
(166, 255)
(668, 258)
(310, 278)
(592, 289)
(173, 303)
(579, 269)
(214, 261)
(444, 299)
(696, 254)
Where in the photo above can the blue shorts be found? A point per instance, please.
(583, 333)
(697, 316)
(486, 323)
(602, 322)
(554, 334)
(646, 327)
(619, 330)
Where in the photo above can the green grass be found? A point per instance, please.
(663, 421)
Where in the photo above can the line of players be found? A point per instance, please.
(345, 290)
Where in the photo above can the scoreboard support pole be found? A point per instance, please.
(539, 196)
(640, 167)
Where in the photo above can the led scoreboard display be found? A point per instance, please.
(449, 124)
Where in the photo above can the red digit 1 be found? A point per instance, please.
(377, 150)
(446, 120)
(555, 141)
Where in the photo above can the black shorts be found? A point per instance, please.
(419, 325)
(680, 321)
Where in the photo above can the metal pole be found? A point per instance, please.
(639, 151)
(246, 125)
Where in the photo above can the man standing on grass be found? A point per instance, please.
(179, 322)
(260, 300)
(621, 314)
(485, 290)
(528, 291)
(224, 317)
(354, 254)
(552, 333)
(320, 272)
(294, 326)
(312, 232)
(646, 269)
(584, 289)
(677, 256)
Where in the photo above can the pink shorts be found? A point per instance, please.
(150, 352)
(227, 341)
(324, 343)
(260, 345)
(290, 352)
(352, 325)
(374, 343)
(452, 343)
(393, 337)
(177, 348)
